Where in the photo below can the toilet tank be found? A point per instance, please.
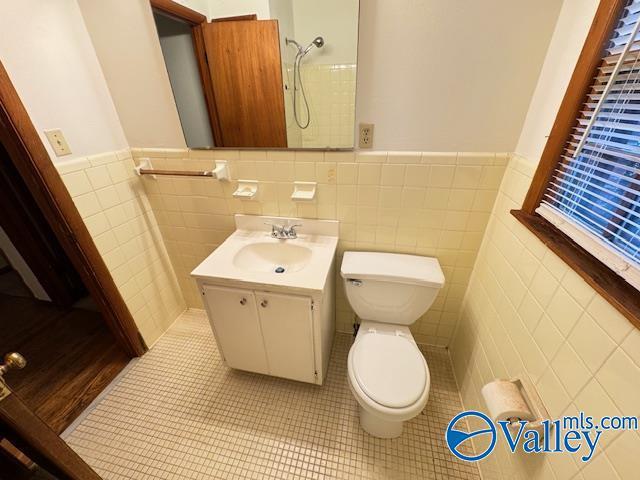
(390, 287)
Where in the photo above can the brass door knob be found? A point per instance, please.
(12, 361)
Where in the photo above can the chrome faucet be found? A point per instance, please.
(284, 232)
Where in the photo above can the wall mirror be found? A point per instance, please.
(262, 73)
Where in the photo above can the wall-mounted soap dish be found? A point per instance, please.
(303, 191)
(247, 189)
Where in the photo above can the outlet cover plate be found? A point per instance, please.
(366, 135)
(58, 142)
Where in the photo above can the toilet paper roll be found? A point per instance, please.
(505, 401)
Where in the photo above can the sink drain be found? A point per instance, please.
(279, 270)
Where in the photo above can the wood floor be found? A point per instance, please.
(71, 357)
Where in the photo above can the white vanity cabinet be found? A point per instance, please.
(271, 301)
(234, 320)
(287, 329)
(264, 332)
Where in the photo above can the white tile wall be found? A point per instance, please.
(115, 208)
(526, 311)
(434, 204)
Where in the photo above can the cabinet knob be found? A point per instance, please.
(243, 301)
(264, 304)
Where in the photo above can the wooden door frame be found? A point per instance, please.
(28, 154)
(195, 20)
(32, 437)
(237, 18)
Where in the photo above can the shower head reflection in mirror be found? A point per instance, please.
(302, 120)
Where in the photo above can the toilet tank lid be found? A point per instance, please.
(392, 267)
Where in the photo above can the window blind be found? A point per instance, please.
(594, 193)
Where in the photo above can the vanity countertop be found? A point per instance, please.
(250, 255)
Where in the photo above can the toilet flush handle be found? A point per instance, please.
(355, 282)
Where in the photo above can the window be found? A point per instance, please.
(584, 201)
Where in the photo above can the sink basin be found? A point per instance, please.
(279, 257)
(251, 258)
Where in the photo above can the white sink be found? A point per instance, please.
(251, 258)
(281, 257)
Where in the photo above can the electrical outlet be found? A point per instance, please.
(366, 135)
(58, 142)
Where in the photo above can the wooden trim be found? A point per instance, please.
(178, 11)
(32, 436)
(590, 58)
(238, 18)
(29, 156)
(610, 286)
(200, 51)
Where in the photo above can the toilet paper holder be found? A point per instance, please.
(534, 403)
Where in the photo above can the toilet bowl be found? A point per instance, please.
(387, 373)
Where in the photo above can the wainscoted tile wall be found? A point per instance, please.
(526, 311)
(115, 208)
(435, 204)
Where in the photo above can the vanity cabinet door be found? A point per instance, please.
(287, 328)
(234, 319)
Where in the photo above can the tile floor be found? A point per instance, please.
(180, 413)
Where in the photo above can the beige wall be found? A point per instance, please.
(334, 20)
(48, 54)
(432, 204)
(569, 35)
(125, 39)
(116, 210)
(201, 6)
(232, 8)
(525, 310)
(450, 75)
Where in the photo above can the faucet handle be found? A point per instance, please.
(276, 230)
(291, 230)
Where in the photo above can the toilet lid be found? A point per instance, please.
(390, 369)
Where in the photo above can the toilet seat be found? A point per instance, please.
(389, 369)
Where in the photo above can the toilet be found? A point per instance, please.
(388, 374)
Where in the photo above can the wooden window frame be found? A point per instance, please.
(612, 287)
